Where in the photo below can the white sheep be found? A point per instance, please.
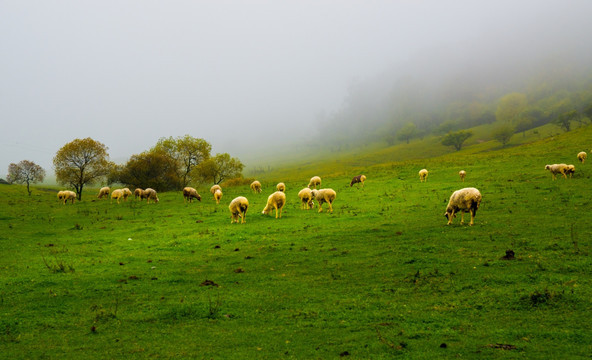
(582, 156)
(218, 196)
(138, 193)
(314, 182)
(557, 169)
(305, 196)
(463, 200)
(277, 200)
(358, 179)
(214, 188)
(190, 193)
(256, 186)
(281, 187)
(462, 175)
(104, 192)
(148, 194)
(126, 192)
(117, 194)
(423, 175)
(324, 196)
(238, 208)
(570, 170)
(66, 195)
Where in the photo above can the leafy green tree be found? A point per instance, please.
(25, 172)
(564, 120)
(81, 162)
(187, 152)
(218, 168)
(503, 133)
(510, 107)
(456, 139)
(150, 169)
(407, 132)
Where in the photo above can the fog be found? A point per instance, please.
(249, 77)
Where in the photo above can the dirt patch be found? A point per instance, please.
(509, 255)
(209, 283)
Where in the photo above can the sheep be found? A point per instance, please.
(256, 186)
(314, 181)
(281, 187)
(66, 195)
(557, 169)
(423, 175)
(126, 192)
(117, 194)
(462, 175)
(570, 170)
(104, 192)
(148, 194)
(358, 179)
(324, 196)
(238, 208)
(138, 193)
(190, 193)
(305, 196)
(218, 196)
(582, 156)
(463, 200)
(276, 200)
(214, 188)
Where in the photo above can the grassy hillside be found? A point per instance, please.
(381, 276)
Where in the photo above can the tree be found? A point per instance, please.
(187, 152)
(510, 106)
(564, 120)
(81, 162)
(503, 133)
(25, 172)
(407, 132)
(218, 168)
(154, 169)
(456, 139)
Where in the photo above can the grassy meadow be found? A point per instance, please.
(380, 277)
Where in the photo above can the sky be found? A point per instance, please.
(247, 76)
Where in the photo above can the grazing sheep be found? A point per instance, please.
(570, 170)
(423, 175)
(214, 188)
(104, 192)
(582, 156)
(138, 193)
(276, 200)
(218, 196)
(190, 193)
(314, 181)
(126, 192)
(462, 175)
(238, 208)
(117, 194)
(305, 196)
(256, 186)
(557, 169)
(281, 187)
(66, 195)
(324, 196)
(358, 179)
(463, 200)
(148, 194)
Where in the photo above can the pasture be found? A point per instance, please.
(380, 277)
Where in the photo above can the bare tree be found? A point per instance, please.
(25, 172)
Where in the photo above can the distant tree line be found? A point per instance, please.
(171, 164)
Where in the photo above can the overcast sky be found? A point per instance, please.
(235, 73)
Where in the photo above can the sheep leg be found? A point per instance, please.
(450, 217)
(472, 217)
(330, 207)
(462, 217)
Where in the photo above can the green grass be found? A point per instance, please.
(381, 277)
